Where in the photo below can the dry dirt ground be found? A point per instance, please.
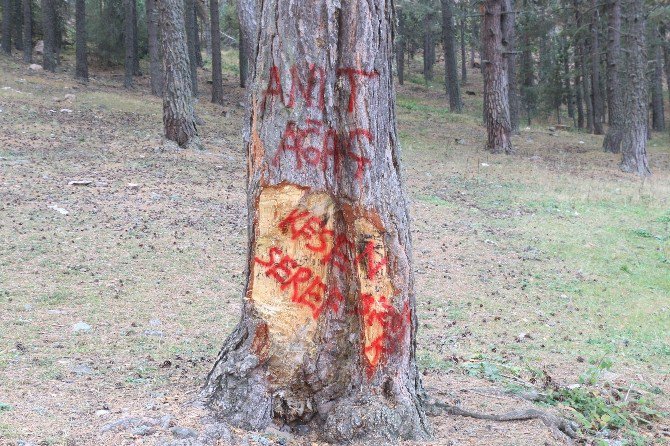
(545, 269)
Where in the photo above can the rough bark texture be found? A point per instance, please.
(215, 30)
(49, 32)
(198, 50)
(657, 109)
(247, 14)
(464, 69)
(128, 41)
(17, 24)
(178, 114)
(400, 47)
(136, 40)
(634, 139)
(496, 94)
(612, 140)
(191, 37)
(27, 31)
(509, 55)
(598, 105)
(7, 11)
(153, 37)
(327, 335)
(81, 69)
(450, 65)
(429, 47)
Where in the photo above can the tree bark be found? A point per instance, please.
(178, 113)
(598, 106)
(191, 36)
(496, 94)
(657, 111)
(49, 32)
(128, 41)
(464, 69)
(326, 341)
(217, 77)
(634, 138)
(666, 55)
(81, 69)
(136, 40)
(27, 31)
(428, 47)
(450, 65)
(474, 41)
(509, 56)
(198, 50)
(579, 93)
(17, 25)
(612, 140)
(153, 37)
(7, 12)
(569, 98)
(580, 58)
(527, 67)
(400, 46)
(247, 13)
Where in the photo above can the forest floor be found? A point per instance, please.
(548, 269)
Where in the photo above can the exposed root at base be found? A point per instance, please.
(559, 426)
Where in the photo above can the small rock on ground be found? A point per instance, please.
(183, 432)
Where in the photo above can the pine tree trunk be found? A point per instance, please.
(579, 93)
(81, 69)
(509, 56)
(428, 48)
(203, 7)
(464, 69)
(215, 30)
(27, 31)
(598, 106)
(198, 51)
(400, 46)
(49, 30)
(17, 25)
(191, 36)
(496, 94)
(634, 123)
(136, 40)
(247, 14)
(527, 74)
(612, 141)
(474, 40)
(657, 111)
(178, 114)
(327, 337)
(7, 26)
(569, 98)
(450, 64)
(153, 37)
(128, 31)
(666, 55)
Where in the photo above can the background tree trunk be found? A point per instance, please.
(634, 139)
(598, 106)
(178, 114)
(400, 46)
(153, 37)
(579, 92)
(128, 32)
(191, 36)
(474, 41)
(7, 12)
(509, 56)
(49, 32)
(329, 308)
(464, 69)
(217, 77)
(612, 140)
(496, 99)
(657, 111)
(428, 48)
(198, 49)
(247, 13)
(666, 54)
(81, 69)
(569, 97)
(17, 24)
(450, 64)
(27, 31)
(136, 40)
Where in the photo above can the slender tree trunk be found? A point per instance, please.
(136, 40)
(217, 77)
(198, 51)
(569, 98)
(634, 139)
(206, 21)
(178, 113)
(598, 106)
(612, 140)
(7, 11)
(191, 36)
(153, 37)
(248, 17)
(579, 93)
(27, 31)
(128, 31)
(496, 106)
(464, 69)
(509, 56)
(666, 55)
(474, 41)
(527, 74)
(400, 46)
(657, 111)
(17, 25)
(450, 65)
(580, 57)
(429, 47)
(327, 336)
(81, 69)
(49, 32)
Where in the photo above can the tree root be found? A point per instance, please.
(559, 426)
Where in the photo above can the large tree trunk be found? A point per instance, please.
(49, 31)
(428, 47)
(128, 42)
(328, 332)
(464, 69)
(178, 113)
(153, 37)
(612, 140)
(657, 111)
(27, 31)
(400, 47)
(7, 12)
(634, 139)
(509, 56)
(191, 37)
(215, 31)
(81, 69)
(247, 14)
(598, 106)
(450, 65)
(496, 94)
